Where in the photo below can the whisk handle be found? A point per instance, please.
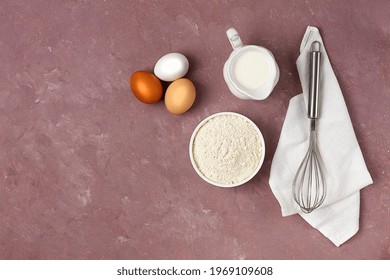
(314, 78)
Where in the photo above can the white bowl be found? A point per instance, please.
(259, 164)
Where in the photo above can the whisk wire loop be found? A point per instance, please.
(309, 187)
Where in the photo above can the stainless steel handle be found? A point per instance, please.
(314, 78)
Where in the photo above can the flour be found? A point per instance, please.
(227, 149)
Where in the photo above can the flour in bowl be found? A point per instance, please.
(227, 149)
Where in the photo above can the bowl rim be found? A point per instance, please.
(194, 165)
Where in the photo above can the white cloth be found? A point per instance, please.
(345, 169)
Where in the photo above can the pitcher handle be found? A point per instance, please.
(234, 38)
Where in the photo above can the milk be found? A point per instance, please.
(251, 69)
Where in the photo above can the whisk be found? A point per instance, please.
(309, 185)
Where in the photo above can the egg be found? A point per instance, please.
(180, 96)
(146, 87)
(171, 66)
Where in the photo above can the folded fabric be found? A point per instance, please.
(345, 170)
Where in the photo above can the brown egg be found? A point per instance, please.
(146, 87)
(180, 96)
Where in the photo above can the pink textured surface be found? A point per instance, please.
(88, 172)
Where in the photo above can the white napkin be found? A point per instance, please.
(345, 169)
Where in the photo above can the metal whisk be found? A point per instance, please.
(309, 185)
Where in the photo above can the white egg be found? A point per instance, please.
(171, 66)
